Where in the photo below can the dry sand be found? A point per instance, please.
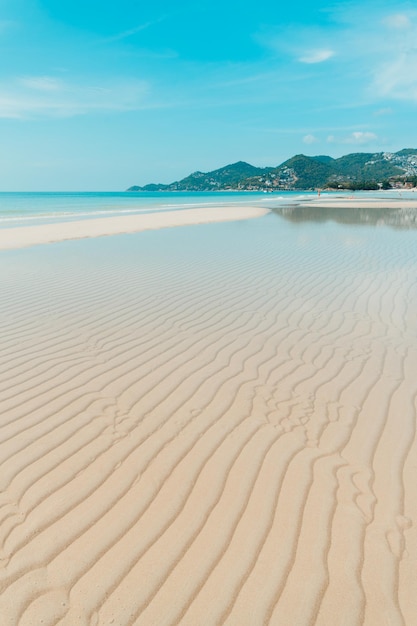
(210, 450)
(51, 233)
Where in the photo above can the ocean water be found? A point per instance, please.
(24, 209)
(30, 208)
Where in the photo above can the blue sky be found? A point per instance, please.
(102, 95)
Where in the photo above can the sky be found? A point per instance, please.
(104, 95)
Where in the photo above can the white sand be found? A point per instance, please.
(50, 233)
(232, 443)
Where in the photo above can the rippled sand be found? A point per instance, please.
(210, 425)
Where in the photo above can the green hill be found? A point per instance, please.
(365, 170)
(365, 166)
(407, 152)
(227, 177)
(310, 172)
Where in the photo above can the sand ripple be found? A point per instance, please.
(235, 445)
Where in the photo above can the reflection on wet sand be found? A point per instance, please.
(402, 217)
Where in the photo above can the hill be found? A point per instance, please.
(361, 170)
(228, 177)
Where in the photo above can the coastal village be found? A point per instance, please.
(286, 178)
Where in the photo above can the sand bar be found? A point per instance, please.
(50, 233)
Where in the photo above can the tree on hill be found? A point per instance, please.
(310, 173)
(407, 152)
(353, 185)
(323, 158)
(365, 166)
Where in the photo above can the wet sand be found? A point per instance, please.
(210, 427)
(363, 203)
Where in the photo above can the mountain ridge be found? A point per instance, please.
(358, 170)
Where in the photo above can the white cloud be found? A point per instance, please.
(41, 83)
(357, 137)
(379, 49)
(376, 51)
(317, 56)
(44, 96)
(361, 137)
(309, 139)
(397, 20)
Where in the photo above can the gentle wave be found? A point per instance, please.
(76, 214)
(24, 208)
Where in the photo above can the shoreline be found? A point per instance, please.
(26, 236)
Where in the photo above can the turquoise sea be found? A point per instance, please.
(24, 209)
(30, 208)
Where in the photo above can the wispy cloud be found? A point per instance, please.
(317, 56)
(397, 20)
(46, 96)
(383, 111)
(297, 130)
(383, 50)
(308, 45)
(41, 83)
(397, 77)
(395, 73)
(377, 49)
(135, 30)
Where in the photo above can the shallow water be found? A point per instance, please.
(24, 209)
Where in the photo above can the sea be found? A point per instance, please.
(31, 208)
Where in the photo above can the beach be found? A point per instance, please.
(210, 424)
